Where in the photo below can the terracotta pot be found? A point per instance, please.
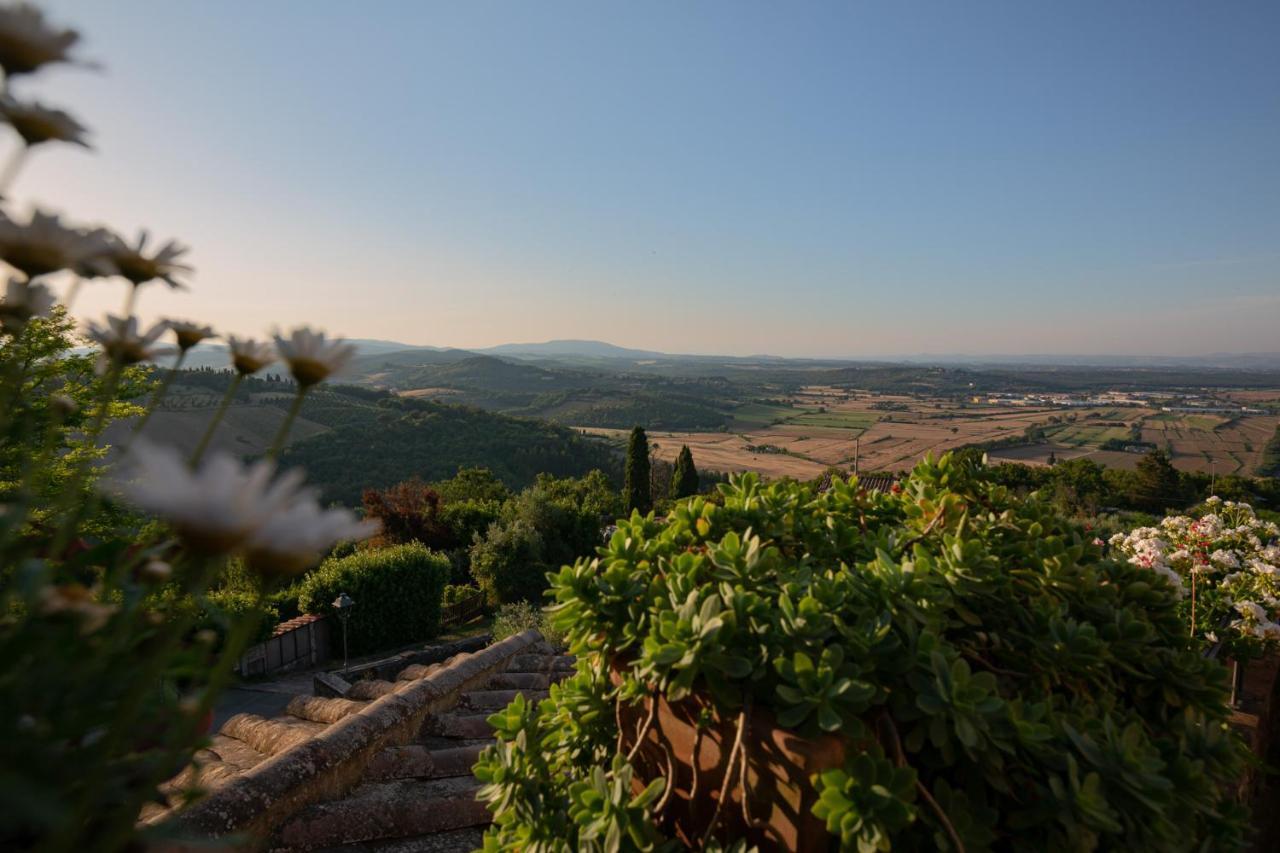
(779, 764)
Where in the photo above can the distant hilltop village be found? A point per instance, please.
(1162, 400)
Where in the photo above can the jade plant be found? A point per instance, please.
(999, 682)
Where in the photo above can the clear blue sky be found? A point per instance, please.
(738, 177)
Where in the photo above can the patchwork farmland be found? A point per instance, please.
(804, 433)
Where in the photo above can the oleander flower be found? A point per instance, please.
(23, 301)
(249, 356)
(44, 245)
(28, 41)
(216, 508)
(297, 538)
(312, 357)
(37, 124)
(133, 262)
(123, 342)
(189, 334)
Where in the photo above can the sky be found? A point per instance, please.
(821, 179)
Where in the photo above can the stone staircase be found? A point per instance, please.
(409, 791)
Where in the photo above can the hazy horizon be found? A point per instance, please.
(824, 181)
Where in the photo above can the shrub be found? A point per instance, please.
(455, 592)
(520, 616)
(397, 593)
(996, 678)
(507, 563)
(550, 524)
(408, 511)
(222, 609)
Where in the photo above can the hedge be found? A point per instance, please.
(397, 593)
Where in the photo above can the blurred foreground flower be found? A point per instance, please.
(23, 301)
(134, 264)
(44, 245)
(297, 538)
(214, 508)
(312, 357)
(122, 342)
(28, 41)
(249, 356)
(189, 334)
(37, 124)
(225, 507)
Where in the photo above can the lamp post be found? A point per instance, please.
(343, 604)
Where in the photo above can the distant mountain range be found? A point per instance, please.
(585, 349)
(586, 353)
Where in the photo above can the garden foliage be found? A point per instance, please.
(397, 592)
(1010, 686)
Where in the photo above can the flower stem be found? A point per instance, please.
(158, 395)
(217, 418)
(131, 300)
(72, 292)
(283, 434)
(73, 503)
(12, 168)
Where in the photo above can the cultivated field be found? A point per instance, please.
(805, 433)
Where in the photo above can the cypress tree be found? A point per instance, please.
(684, 481)
(635, 489)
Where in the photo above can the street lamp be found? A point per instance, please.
(343, 604)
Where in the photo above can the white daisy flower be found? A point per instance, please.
(249, 356)
(1250, 610)
(134, 264)
(189, 334)
(296, 538)
(37, 124)
(22, 302)
(312, 357)
(44, 245)
(123, 342)
(214, 509)
(28, 41)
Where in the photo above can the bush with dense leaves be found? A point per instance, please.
(554, 522)
(397, 593)
(512, 619)
(1013, 687)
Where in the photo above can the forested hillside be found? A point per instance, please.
(351, 437)
(416, 438)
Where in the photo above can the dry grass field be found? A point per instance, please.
(805, 433)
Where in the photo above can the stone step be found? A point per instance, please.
(453, 841)
(460, 725)
(224, 759)
(273, 736)
(372, 688)
(418, 670)
(320, 709)
(416, 761)
(493, 700)
(386, 810)
(520, 681)
(541, 663)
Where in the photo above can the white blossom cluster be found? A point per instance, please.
(1229, 555)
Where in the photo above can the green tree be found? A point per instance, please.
(635, 490)
(59, 404)
(550, 524)
(684, 482)
(1156, 484)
